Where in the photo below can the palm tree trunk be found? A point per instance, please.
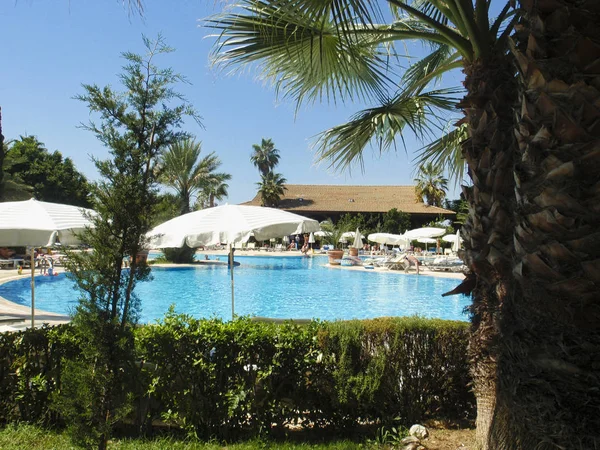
(555, 344)
(489, 152)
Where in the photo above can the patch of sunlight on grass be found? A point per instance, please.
(29, 437)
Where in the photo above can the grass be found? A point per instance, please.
(34, 438)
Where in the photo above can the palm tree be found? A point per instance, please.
(431, 184)
(555, 330)
(216, 189)
(271, 188)
(183, 170)
(265, 156)
(339, 50)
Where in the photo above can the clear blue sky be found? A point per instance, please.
(51, 47)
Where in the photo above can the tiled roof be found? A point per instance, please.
(341, 198)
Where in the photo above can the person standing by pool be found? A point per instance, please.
(43, 264)
(305, 245)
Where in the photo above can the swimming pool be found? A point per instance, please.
(278, 287)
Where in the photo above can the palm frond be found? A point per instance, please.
(343, 145)
(304, 56)
(431, 67)
(446, 152)
(438, 11)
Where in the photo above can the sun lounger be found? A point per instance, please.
(447, 264)
(7, 263)
(397, 262)
(13, 263)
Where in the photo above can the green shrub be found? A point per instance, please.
(30, 371)
(216, 379)
(407, 367)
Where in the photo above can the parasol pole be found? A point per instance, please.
(231, 269)
(32, 289)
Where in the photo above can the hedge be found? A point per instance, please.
(218, 379)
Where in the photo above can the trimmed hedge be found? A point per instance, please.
(223, 379)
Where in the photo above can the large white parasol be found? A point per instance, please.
(426, 232)
(32, 223)
(389, 239)
(229, 224)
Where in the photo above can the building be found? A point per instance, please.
(321, 202)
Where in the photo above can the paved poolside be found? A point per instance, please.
(22, 314)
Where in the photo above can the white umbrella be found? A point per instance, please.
(456, 245)
(388, 238)
(449, 238)
(33, 224)
(345, 237)
(455, 239)
(426, 232)
(229, 224)
(358, 243)
(322, 233)
(426, 241)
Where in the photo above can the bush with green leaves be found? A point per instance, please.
(226, 380)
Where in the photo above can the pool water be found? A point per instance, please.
(278, 287)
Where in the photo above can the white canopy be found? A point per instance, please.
(31, 223)
(39, 224)
(426, 232)
(358, 243)
(228, 224)
(350, 235)
(449, 238)
(322, 233)
(388, 238)
(455, 239)
(426, 240)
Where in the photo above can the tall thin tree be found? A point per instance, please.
(183, 169)
(271, 187)
(431, 184)
(265, 156)
(343, 51)
(136, 126)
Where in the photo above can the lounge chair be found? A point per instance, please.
(8, 263)
(447, 264)
(397, 262)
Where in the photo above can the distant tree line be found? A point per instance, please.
(29, 170)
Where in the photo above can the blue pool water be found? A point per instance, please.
(279, 287)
